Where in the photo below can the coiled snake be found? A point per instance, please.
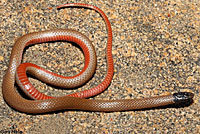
(42, 103)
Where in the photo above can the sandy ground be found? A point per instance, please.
(156, 50)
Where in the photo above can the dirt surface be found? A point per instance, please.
(156, 50)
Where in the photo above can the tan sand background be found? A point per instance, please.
(156, 50)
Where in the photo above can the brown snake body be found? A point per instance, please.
(42, 103)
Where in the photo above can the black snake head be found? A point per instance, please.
(182, 97)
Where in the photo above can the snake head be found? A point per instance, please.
(182, 97)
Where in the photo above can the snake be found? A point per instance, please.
(40, 103)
